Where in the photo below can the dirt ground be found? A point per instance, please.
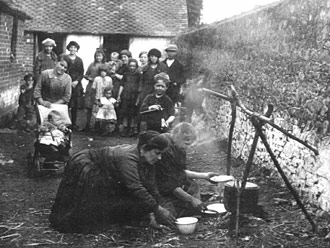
(25, 206)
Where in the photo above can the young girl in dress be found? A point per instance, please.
(91, 74)
(106, 114)
(100, 83)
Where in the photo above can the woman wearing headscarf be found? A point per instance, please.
(153, 68)
(174, 181)
(110, 185)
(46, 59)
(76, 71)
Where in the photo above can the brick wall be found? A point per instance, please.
(28, 51)
(11, 68)
(278, 55)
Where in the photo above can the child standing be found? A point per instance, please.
(128, 94)
(25, 109)
(100, 83)
(106, 114)
(158, 106)
(91, 74)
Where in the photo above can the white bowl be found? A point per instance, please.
(186, 225)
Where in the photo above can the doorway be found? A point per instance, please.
(115, 43)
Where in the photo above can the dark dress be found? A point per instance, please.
(177, 78)
(25, 105)
(170, 174)
(130, 83)
(117, 82)
(153, 119)
(115, 91)
(76, 72)
(147, 80)
(104, 186)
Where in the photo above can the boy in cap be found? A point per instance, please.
(175, 71)
(157, 109)
(46, 59)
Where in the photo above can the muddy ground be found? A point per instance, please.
(25, 206)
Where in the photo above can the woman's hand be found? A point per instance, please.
(166, 216)
(197, 204)
(153, 223)
(209, 175)
(74, 84)
(45, 103)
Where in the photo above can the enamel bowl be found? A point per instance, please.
(186, 225)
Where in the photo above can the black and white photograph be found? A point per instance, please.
(165, 123)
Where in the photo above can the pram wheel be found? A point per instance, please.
(33, 165)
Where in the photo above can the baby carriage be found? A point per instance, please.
(53, 140)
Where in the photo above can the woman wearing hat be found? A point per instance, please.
(110, 185)
(153, 68)
(76, 71)
(46, 59)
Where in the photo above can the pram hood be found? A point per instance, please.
(61, 108)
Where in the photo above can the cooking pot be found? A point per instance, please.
(248, 198)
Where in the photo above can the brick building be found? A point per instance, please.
(12, 52)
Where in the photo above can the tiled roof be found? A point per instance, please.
(14, 7)
(139, 17)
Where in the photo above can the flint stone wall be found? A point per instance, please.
(278, 54)
(309, 174)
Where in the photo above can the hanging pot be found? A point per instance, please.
(248, 198)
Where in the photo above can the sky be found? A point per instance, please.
(216, 10)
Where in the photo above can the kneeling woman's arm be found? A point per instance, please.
(200, 175)
(183, 195)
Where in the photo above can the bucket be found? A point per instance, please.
(248, 198)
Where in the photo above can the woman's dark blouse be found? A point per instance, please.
(147, 79)
(170, 170)
(76, 72)
(75, 68)
(127, 174)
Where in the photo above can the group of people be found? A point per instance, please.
(127, 182)
(151, 87)
(117, 90)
